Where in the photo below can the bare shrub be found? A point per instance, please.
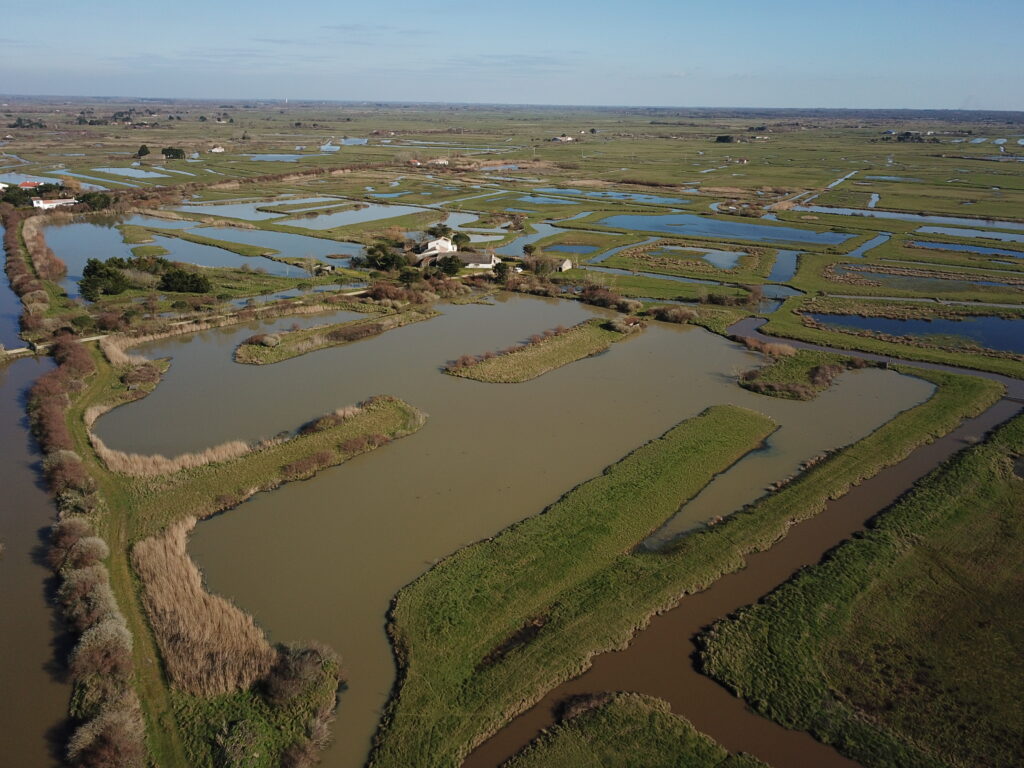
(64, 535)
(112, 739)
(674, 314)
(774, 349)
(307, 465)
(209, 646)
(294, 670)
(104, 650)
(85, 596)
(92, 550)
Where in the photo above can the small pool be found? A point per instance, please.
(134, 173)
(1000, 333)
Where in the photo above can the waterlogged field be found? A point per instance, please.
(840, 233)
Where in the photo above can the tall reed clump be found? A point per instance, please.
(209, 646)
(139, 465)
(110, 733)
(45, 261)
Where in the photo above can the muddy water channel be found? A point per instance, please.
(34, 701)
(322, 559)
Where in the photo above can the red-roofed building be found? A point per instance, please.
(30, 184)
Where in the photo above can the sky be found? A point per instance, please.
(933, 54)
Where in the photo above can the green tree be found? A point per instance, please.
(501, 271)
(461, 239)
(450, 265)
(143, 151)
(409, 276)
(439, 230)
(101, 279)
(529, 249)
(97, 201)
(177, 280)
(173, 153)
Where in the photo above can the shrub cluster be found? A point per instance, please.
(673, 314)
(111, 732)
(600, 296)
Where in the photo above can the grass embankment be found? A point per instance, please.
(788, 323)
(628, 731)
(798, 375)
(904, 647)
(464, 670)
(540, 355)
(185, 729)
(546, 588)
(264, 349)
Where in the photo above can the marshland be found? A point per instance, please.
(312, 493)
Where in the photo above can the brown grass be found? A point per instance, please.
(138, 465)
(208, 645)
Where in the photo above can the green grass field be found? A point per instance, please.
(904, 647)
(629, 731)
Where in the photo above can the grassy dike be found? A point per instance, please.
(264, 349)
(629, 731)
(903, 648)
(179, 727)
(499, 622)
(519, 364)
(459, 630)
(786, 323)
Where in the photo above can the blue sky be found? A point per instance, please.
(774, 53)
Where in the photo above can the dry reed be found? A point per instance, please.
(209, 646)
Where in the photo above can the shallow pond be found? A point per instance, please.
(540, 200)
(688, 224)
(1001, 333)
(923, 284)
(371, 212)
(784, 267)
(921, 217)
(134, 173)
(249, 211)
(78, 241)
(967, 248)
(348, 540)
(720, 259)
(1006, 237)
(286, 243)
(634, 197)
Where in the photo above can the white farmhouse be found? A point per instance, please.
(49, 205)
(3, 186)
(436, 249)
(478, 260)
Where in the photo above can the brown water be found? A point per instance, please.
(33, 700)
(659, 660)
(322, 559)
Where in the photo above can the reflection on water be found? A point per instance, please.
(488, 456)
(1002, 333)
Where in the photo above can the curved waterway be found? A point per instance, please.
(332, 552)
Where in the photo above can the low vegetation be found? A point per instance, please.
(902, 648)
(793, 374)
(542, 352)
(627, 730)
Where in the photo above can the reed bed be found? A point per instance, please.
(209, 646)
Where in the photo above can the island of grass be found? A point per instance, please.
(491, 629)
(267, 348)
(795, 374)
(628, 730)
(904, 647)
(542, 353)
